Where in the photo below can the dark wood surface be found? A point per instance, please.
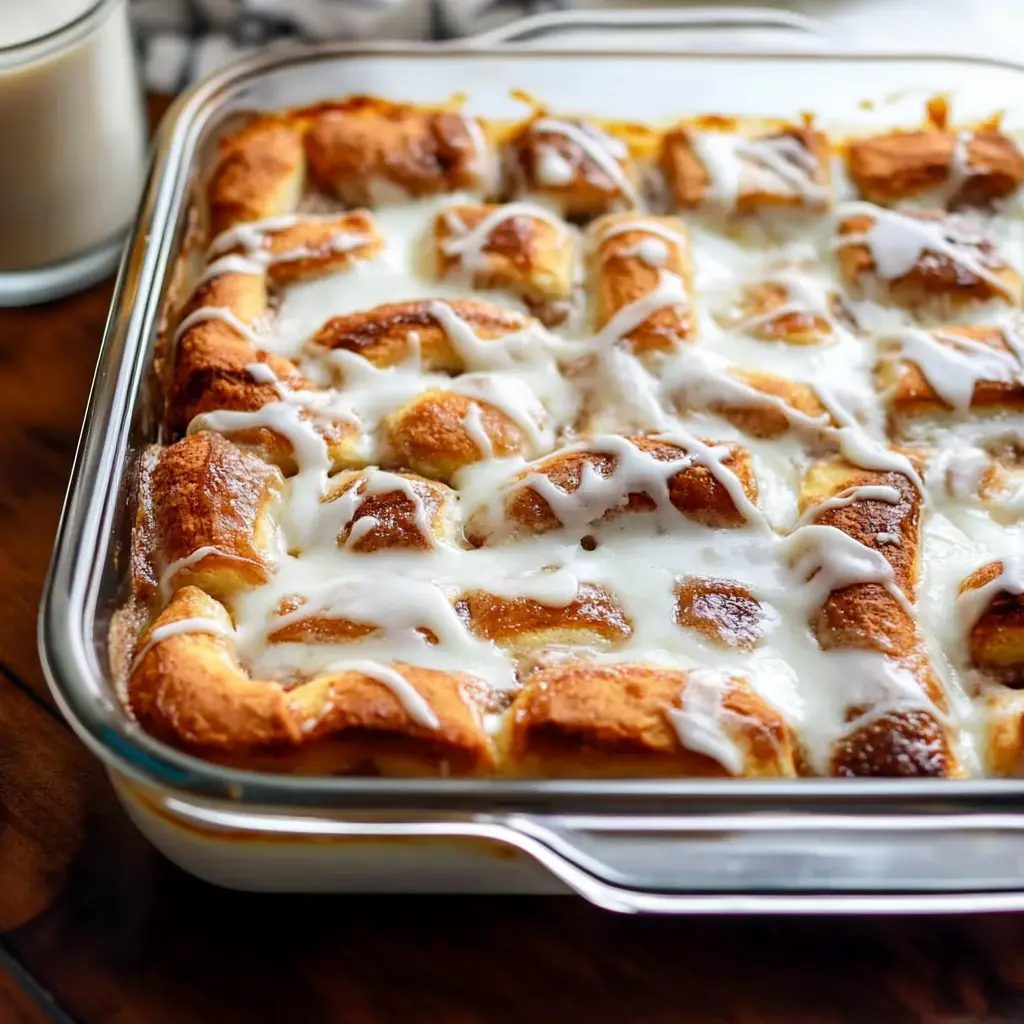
(95, 927)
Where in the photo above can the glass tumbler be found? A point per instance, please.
(72, 144)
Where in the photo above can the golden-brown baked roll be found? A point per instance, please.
(296, 247)
(585, 719)
(786, 402)
(437, 433)
(204, 518)
(367, 151)
(593, 618)
(788, 307)
(1002, 711)
(216, 372)
(517, 247)
(723, 612)
(723, 169)
(574, 165)
(242, 295)
(260, 172)
(640, 262)
(374, 510)
(950, 370)
(654, 475)
(960, 169)
(896, 730)
(991, 603)
(297, 621)
(447, 335)
(922, 261)
(187, 687)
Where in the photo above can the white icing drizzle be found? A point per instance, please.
(971, 604)
(600, 148)
(188, 561)
(553, 170)
(803, 295)
(694, 377)
(897, 241)
(181, 627)
(635, 472)
(473, 422)
(224, 316)
(485, 159)
(308, 447)
(954, 365)
(849, 496)
(830, 560)
(959, 170)
(233, 263)
(477, 353)
(336, 513)
(631, 225)
(651, 251)
(415, 706)
(469, 245)
(252, 237)
(514, 398)
(699, 722)
(655, 250)
(734, 164)
(670, 292)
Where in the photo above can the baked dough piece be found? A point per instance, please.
(367, 151)
(723, 612)
(958, 169)
(991, 603)
(642, 279)
(951, 370)
(375, 510)
(449, 336)
(205, 518)
(892, 732)
(260, 172)
(593, 618)
(733, 173)
(241, 292)
(574, 165)
(930, 263)
(294, 247)
(516, 247)
(759, 403)
(218, 384)
(438, 432)
(789, 307)
(588, 719)
(611, 476)
(187, 688)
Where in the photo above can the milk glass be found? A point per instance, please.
(72, 144)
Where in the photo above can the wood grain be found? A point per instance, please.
(89, 913)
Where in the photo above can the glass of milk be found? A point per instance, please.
(72, 144)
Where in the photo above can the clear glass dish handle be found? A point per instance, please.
(814, 863)
(819, 862)
(697, 28)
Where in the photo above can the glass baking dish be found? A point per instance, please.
(809, 845)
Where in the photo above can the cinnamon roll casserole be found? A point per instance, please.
(566, 449)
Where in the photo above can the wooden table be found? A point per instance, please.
(97, 927)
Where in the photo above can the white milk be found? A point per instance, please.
(72, 129)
